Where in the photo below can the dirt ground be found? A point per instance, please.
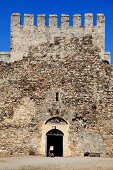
(57, 163)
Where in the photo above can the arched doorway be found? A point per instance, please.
(55, 138)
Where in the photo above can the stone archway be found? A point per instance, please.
(60, 127)
(55, 138)
(56, 120)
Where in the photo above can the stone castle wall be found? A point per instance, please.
(23, 36)
(72, 66)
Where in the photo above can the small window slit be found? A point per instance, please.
(57, 96)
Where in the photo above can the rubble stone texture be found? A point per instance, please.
(56, 76)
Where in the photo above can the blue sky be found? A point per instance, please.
(71, 7)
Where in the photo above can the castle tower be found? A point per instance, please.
(56, 88)
(26, 35)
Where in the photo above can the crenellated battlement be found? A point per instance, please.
(88, 19)
(77, 20)
(53, 20)
(24, 33)
(28, 20)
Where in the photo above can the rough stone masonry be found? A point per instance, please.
(56, 88)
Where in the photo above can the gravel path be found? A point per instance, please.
(43, 163)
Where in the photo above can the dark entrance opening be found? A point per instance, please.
(55, 138)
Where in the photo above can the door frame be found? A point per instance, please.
(61, 134)
(43, 140)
